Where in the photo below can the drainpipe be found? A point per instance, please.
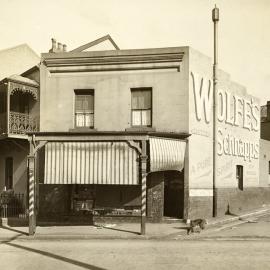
(215, 19)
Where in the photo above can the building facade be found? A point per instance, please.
(129, 133)
(109, 119)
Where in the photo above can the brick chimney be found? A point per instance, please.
(57, 47)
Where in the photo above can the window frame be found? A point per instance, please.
(134, 89)
(84, 92)
(240, 176)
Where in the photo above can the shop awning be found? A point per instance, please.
(166, 154)
(91, 163)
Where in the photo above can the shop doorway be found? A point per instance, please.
(173, 194)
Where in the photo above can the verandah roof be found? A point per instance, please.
(91, 163)
(107, 159)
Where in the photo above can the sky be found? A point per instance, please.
(243, 29)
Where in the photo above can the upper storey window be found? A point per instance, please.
(141, 107)
(84, 108)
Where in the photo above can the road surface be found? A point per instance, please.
(245, 246)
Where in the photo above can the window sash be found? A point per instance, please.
(84, 119)
(141, 118)
(141, 99)
(84, 102)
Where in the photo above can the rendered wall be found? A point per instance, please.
(237, 124)
(113, 98)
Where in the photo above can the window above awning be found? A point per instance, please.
(166, 154)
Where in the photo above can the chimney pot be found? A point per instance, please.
(60, 47)
(64, 47)
(53, 43)
(53, 49)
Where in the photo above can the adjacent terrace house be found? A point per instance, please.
(19, 114)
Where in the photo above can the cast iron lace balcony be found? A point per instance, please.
(20, 123)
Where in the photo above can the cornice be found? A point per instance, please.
(114, 57)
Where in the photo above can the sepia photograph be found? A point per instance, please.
(135, 135)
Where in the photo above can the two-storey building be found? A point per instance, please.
(131, 131)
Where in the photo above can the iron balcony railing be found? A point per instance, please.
(21, 123)
(12, 205)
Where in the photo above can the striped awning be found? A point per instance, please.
(166, 154)
(91, 163)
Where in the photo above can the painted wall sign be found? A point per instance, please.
(232, 111)
(237, 111)
(203, 92)
(231, 145)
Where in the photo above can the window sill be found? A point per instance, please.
(82, 129)
(141, 129)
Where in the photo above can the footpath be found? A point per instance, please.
(157, 231)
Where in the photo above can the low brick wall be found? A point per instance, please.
(229, 200)
(200, 207)
(234, 200)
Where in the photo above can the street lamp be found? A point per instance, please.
(215, 19)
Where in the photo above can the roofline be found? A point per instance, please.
(128, 52)
(30, 70)
(17, 46)
(96, 42)
(32, 84)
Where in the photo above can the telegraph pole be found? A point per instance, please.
(215, 19)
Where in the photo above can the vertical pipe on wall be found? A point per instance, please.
(215, 19)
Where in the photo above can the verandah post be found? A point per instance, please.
(32, 199)
(143, 195)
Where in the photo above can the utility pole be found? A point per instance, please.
(215, 19)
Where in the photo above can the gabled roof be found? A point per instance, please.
(30, 70)
(17, 47)
(16, 60)
(96, 42)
